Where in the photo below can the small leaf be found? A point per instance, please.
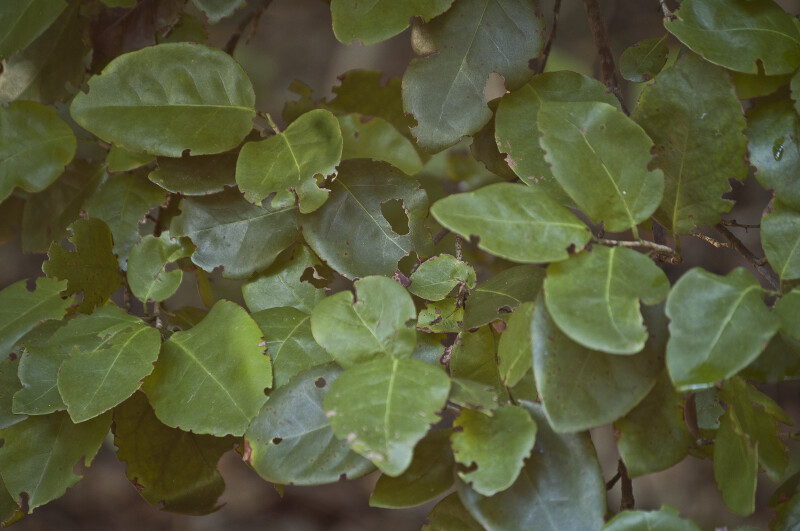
(473, 358)
(168, 98)
(514, 348)
(378, 324)
(735, 466)
(665, 519)
(519, 223)
(384, 407)
(216, 10)
(473, 395)
(477, 438)
(450, 514)
(202, 175)
(211, 378)
(289, 163)
(377, 139)
(502, 294)
(441, 317)
(283, 285)
(594, 297)
(642, 61)
(780, 238)
(147, 275)
(435, 278)
(291, 441)
(21, 310)
(38, 372)
(24, 20)
(377, 21)
(120, 159)
(718, 326)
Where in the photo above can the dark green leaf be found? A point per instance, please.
(502, 294)
(473, 358)
(435, 278)
(375, 138)
(787, 514)
(735, 466)
(168, 98)
(283, 285)
(708, 408)
(450, 515)
(147, 275)
(754, 85)
(211, 378)
(779, 362)
(21, 310)
(21, 21)
(643, 60)
(514, 348)
(38, 372)
(120, 159)
(444, 89)
(429, 348)
(10, 512)
(201, 175)
(9, 385)
(371, 22)
(216, 10)
(665, 519)
(780, 238)
(441, 317)
(188, 29)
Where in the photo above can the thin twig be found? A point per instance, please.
(607, 68)
(459, 254)
(252, 17)
(439, 236)
(546, 51)
(667, 13)
(734, 223)
(708, 239)
(664, 252)
(626, 486)
(760, 265)
(613, 481)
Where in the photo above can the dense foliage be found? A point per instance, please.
(459, 330)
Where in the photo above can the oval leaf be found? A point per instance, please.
(21, 310)
(435, 278)
(780, 237)
(201, 175)
(643, 60)
(23, 20)
(147, 275)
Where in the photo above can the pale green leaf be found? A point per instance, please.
(216, 10)
(642, 61)
(38, 372)
(120, 159)
(21, 310)
(202, 175)
(375, 138)
(473, 395)
(665, 519)
(147, 275)
(735, 466)
(502, 294)
(378, 20)
(21, 21)
(285, 284)
(435, 278)
(441, 317)
(780, 238)
(514, 348)
(451, 515)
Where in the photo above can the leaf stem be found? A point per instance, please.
(253, 16)
(667, 13)
(439, 236)
(626, 486)
(736, 244)
(666, 253)
(607, 68)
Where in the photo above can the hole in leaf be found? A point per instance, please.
(24, 498)
(394, 212)
(320, 382)
(495, 87)
(313, 276)
(277, 440)
(505, 309)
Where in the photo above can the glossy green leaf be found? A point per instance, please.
(718, 326)
(184, 478)
(38, 455)
(216, 10)
(665, 519)
(9, 385)
(518, 115)
(21, 310)
(642, 61)
(514, 348)
(594, 297)
(290, 344)
(232, 233)
(122, 202)
(599, 156)
(444, 89)
(657, 422)
(291, 441)
(378, 323)
(473, 358)
(21, 21)
(435, 278)
(203, 175)
(283, 284)
(582, 388)
(502, 294)
(289, 163)
(375, 138)
(519, 223)
(371, 22)
(120, 159)
(91, 269)
(780, 238)
(429, 475)
(47, 214)
(560, 486)
(351, 233)
(384, 407)
(211, 378)
(476, 443)
(739, 34)
(473, 395)
(35, 146)
(695, 119)
(450, 514)
(441, 317)
(168, 98)
(147, 275)
(735, 466)
(38, 372)
(111, 352)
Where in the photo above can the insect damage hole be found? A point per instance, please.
(395, 213)
(320, 382)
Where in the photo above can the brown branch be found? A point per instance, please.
(667, 13)
(760, 265)
(252, 17)
(546, 51)
(734, 223)
(708, 239)
(626, 486)
(664, 252)
(439, 236)
(607, 68)
(613, 481)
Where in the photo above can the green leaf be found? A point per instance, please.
(665, 519)
(735, 466)
(429, 348)
(183, 479)
(21, 310)
(9, 385)
(449, 515)
(642, 61)
(695, 119)
(289, 163)
(202, 175)
(216, 10)
(10, 511)
(188, 29)
(283, 284)
(754, 85)
(519, 223)
(38, 455)
(120, 159)
(377, 139)
(38, 372)
(122, 202)
(351, 233)
(478, 437)
(441, 317)
(780, 238)
(787, 514)
(429, 475)
(514, 348)
(211, 378)
(708, 408)
(290, 344)
(718, 326)
(91, 269)
(502, 294)
(444, 89)
(147, 276)
(384, 407)
(232, 233)
(371, 22)
(379, 323)
(594, 297)
(168, 98)
(473, 395)
(582, 388)
(35, 146)
(435, 278)
(21, 21)
(599, 156)
(48, 213)
(473, 358)
(291, 441)
(787, 308)
(779, 362)
(560, 486)
(518, 114)
(739, 34)
(113, 351)
(656, 422)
